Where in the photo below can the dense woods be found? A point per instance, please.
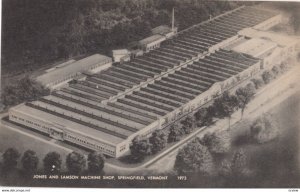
(39, 32)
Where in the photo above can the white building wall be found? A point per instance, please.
(153, 45)
(67, 134)
(117, 58)
(100, 67)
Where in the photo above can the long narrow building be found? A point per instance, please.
(107, 110)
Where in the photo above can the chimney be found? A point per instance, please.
(173, 19)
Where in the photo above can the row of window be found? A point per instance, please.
(90, 144)
(69, 136)
(153, 47)
(74, 75)
(122, 148)
(65, 79)
(30, 122)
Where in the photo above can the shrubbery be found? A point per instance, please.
(217, 142)
(267, 76)
(194, 157)
(75, 163)
(96, 161)
(275, 71)
(158, 141)
(264, 129)
(10, 159)
(52, 162)
(204, 116)
(283, 66)
(258, 82)
(139, 149)
(244, 96)
(175, 133)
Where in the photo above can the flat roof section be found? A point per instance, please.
(72, 68)
(280, 39)
(255, 47)
(151, 39)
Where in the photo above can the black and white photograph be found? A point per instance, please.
(150, 94)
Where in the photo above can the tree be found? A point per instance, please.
(225, 106)
(283, 66)
(175, 133)
(84, 27)
(158, 141)
(30, 161)
(188, 124)
(267, 76)
(244, 96)
(238, 163)
(275, 70)
(217, 143)
(192, 158)
(96, 162)
(225, 168)
(258, 83)
(264, 129)
(52, 163)
(75, 162)
(204, 116)
(24, 89)
(10, 159)
(139, 149)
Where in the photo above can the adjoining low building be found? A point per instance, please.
(160, 34)
(120, 55)
(151, 42)
(272, 48)
(164, 30)
(63, 73)
(255, 47)
(136, 53)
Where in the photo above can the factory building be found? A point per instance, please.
(63, 73)
(107, 110)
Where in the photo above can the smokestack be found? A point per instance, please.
(173, 19)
